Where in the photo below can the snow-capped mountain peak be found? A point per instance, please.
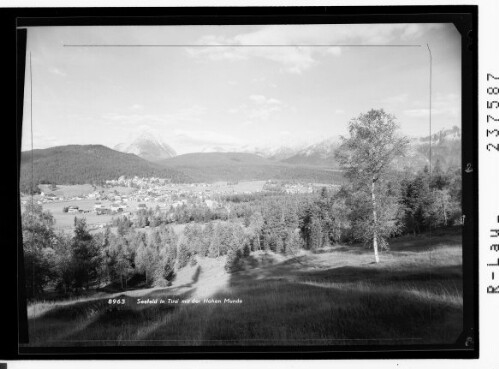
(148, 145)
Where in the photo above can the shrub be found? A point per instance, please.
(246, 250)
(184, 255)
(234, 261)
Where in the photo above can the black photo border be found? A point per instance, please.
(465, 18)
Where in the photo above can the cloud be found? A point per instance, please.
(261, 107)
(192, 114)
(258, 80)
(204, 136)
(336, 51)
(447, 104)
(203, 140)
(40, 141)
(442, 104)
(296, 59)
(57, 72)
(260, 99)
(263, 81)
(137, 107)
(417, 113)
(292, 60)
(133, 119)
(396, 99)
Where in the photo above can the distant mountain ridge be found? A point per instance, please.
(445, 148)
(319, 154)
(444, 145)
(451, 134)
(279, 153)
(148, 146)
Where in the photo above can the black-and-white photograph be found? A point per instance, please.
(243, 185)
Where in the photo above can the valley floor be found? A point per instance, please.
(335, 297)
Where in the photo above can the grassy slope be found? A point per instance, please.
(337, 297)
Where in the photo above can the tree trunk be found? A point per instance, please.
(375, 221)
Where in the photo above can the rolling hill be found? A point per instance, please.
(79, 164)
(232, 166)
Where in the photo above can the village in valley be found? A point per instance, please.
(99, 204)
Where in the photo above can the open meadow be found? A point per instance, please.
(65, 221)
(335, 296)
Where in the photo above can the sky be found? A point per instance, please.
(204, 88)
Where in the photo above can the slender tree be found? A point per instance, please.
(366, 157)
(86, 255)
(38, 241)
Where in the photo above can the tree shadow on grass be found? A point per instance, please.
(324, 307)
(122, 323)
(305, 314)
(195, 277)
(373, 273)
(96, 321)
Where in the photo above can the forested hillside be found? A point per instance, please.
(79, 164)
(216, 166)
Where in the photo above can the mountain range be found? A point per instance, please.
(445, 145)
(150, 156)
(319, 154)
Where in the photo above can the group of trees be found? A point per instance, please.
(380, 201)
(367, 157)
(185, 213)
(430, 201)
(410, 203)
(70, 263)
(83, 261)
